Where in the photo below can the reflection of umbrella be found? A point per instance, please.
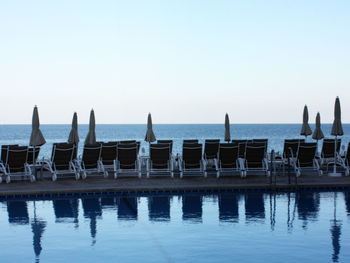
(337, 130)
(150, 137)
(335, 232)
(227, 129)
(73, 135)
(38, 228)
(36, 138)
(91, 136)
(305, 128)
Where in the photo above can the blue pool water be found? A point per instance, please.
(276, 133)
(229, 227)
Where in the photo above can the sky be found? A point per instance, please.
(185, 61)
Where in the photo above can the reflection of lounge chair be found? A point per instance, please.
(306, 159)
(160, 160)
(90, 161)
(61, 162)
(16, 164)
(109, 157)
(255, 159)
(127, 160)
(228, 160)
(192, 161)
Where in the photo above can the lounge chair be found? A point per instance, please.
(327, 152)
(191, 141)
(345, 162)
(109, 157)
(211, 149)
(242, 146)
(160, 160)
(127, 160)
(16, 164)
(306, 159)
(228, 160)
(138, 144)
(61, 162)
(90, 161)
(192, 161)
(33, 153)
(255, 159)
(290, 150)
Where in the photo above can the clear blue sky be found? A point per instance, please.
(183, 61)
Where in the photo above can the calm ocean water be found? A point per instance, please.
(276, 133)
(228, 227)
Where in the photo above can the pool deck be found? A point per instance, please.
(99, 184)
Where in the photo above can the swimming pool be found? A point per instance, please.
(306, 226)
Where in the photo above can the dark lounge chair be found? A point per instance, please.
(327, 152)
(228, 160)
(61, 162)
(255, 159)
(345, 162)
(192, 161)
(109, 157)
(90, 161)
(211, 149)
(16, 164)
(306, 159)
(160, 160)
(127, 160)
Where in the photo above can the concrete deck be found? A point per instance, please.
(100, 184)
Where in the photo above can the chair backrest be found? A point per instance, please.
(168, 142)
(33, 153)
(4, 149)
(328, 147)
(132, 142)
(16, 158)
(109, 152)
(192, 154)
(228, 152)
(263, 141)
(255, 154)
(191, 141)
(306, 154)
(242, 146)
(127, 154)
(91, 155)
(62, 155)
(160, 153)
(211, 148)
(290, 147)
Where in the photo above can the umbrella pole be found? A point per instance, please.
(335, 155)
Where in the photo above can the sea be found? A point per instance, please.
(275, 133)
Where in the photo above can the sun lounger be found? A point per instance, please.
(306, 159)
(109, 157)
(90, 161)
(327, 152)
(290, 150)
(228, 160)
(192, 161)
(61, 162)
(345, 161)
(16, 165)
(33, 153)
(211, 149)
(127, 160)
(160, 160)
(255, 159)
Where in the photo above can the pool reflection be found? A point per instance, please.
(256, 207)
